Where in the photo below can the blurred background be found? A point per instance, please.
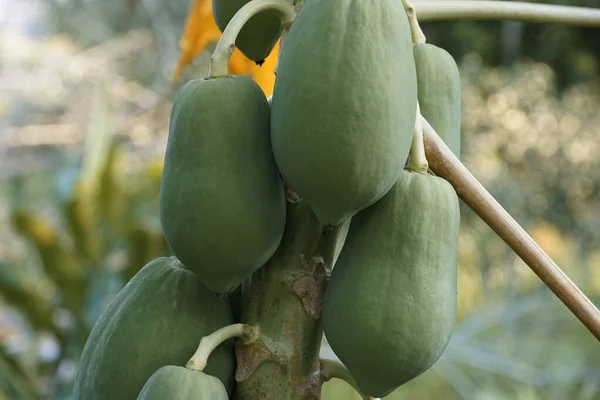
(85, 95)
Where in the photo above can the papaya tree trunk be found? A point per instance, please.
(284, 301)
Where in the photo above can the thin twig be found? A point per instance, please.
(444, 10)
(446, 165)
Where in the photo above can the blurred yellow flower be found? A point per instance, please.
(201, 30)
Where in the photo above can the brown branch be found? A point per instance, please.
(446, 165)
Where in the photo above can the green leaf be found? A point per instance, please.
(83, 207)
(14, 384)
(57, 260)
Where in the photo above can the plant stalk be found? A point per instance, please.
(284, 302)
(415, 29)
(209, 343)
(219, 61)
(445, 10)
(418, 160)
(446, 165)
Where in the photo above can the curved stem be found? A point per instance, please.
(330, 369)
(219, 61)
(208, 343)
(415, 29)
(443, 10)
(418, 160)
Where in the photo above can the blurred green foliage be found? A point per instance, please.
(99, 241)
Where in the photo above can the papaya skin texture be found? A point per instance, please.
(344, 104)
(178, 383)
(439, 92)
(222, 203)
(258, 36)
(157, 319)
(390, 306)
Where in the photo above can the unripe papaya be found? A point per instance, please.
(178, 383)
(344, 104)
(390, 306)
(222, 203)
(258, 36)
(439, 92)
(157, 319)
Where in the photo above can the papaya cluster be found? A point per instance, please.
(338, 134)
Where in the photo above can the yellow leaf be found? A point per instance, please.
(201, 30)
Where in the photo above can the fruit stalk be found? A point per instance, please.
(208, 343)
(285, 303)
(415, 29)
(446, 10)
(219, 61)
(418, 160)
(334, 369)
(446, 165)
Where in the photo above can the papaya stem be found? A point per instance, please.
(330, 369)
(446, 10)
(219, 61)
(247, 333)
(418, 160)
(415, 29)
(447, 166)
(285, 300)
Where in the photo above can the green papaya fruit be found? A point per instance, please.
(258, 36)
(157, 319)
(390, 306)
(439, 92)
(178, 383)
(222, 203)
(344, 104)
